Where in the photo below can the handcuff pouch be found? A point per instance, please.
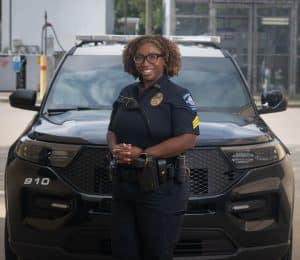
(147, 177)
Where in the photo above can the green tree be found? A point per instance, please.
(136, 8)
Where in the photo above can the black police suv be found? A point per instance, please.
(57, 186)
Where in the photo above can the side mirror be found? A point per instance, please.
(25, 99)
(272, 101)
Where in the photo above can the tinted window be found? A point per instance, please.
(88, 81)
(213, 82)
(95, 81)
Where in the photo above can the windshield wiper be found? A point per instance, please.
(52, 111)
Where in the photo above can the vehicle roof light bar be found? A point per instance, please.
(105, 38)
(194, 39)
(204, 39)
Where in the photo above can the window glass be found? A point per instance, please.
(273, 42)
(232, 11)
(191, 17)
(95, 81)
(272, 72)
(88, 81)
(273, 11)
(191, 26)
(273, 35)
(191, 7)
(214, 83)
(233, 26)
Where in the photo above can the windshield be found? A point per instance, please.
(95, 82)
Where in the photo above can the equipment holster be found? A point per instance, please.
(112, 166)
(182, 171)
(147, 177)
(162, 170)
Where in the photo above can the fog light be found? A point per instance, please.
(255, 209)
(247, 206)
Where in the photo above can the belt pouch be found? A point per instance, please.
(147, 177)
(181, 170)
(162, 170)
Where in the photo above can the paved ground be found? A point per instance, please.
(287, 127)
(13, 122)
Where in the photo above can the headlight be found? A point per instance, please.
(59, 155)
(250, 156)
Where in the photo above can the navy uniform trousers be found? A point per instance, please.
(146, 226)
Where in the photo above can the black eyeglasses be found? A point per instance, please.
(151, 57)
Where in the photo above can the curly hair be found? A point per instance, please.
(167, 47)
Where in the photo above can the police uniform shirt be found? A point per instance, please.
(160, 112)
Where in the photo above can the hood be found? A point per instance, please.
(76, 127)
(90, 127)
(218, 128)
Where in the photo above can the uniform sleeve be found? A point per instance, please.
(184, 115)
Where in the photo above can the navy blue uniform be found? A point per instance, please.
(146, 224)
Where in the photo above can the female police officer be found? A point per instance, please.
(152, 122)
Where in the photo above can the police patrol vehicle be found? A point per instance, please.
(58, 190)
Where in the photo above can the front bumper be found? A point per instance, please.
(47, 217)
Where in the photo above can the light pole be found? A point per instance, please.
(125, 16)
(148, 16)
(10, 25)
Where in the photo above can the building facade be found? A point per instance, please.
(263, 35)
(22, 21)
(21, 25)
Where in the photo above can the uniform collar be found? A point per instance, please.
(160, 83)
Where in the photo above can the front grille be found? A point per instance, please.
(210, 172)
(204, 243)
(88, 172)
(204, 247)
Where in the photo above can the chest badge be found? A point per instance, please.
(156, 99)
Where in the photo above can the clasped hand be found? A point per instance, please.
(125, 153)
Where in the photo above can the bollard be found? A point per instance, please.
(43, 75)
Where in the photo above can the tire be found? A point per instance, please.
(289, 254)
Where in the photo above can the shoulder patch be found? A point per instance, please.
(189, 101)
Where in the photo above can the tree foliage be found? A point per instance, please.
(136, 8)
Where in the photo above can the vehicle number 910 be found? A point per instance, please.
(37, 181)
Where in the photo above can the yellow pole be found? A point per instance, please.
(43, 75)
